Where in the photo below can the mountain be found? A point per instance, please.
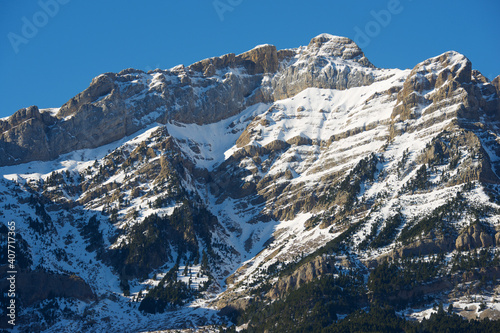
(305, 182)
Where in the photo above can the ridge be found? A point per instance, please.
(118, 104)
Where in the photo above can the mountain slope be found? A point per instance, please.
(243, 178)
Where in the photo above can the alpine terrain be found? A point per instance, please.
(275, 190)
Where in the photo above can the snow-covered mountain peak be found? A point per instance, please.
(450, 64)
(335, 46)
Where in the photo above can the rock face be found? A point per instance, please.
(426, 246)
(327, 62)
(305, 273)
(496, 84)
(100, 86)
(23, 136)
(444, 81)
(40, 285)
(260, 60)
(443, 75)
(473, 237)
(491, 314)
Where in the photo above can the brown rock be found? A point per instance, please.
(492, 314)
(262, 59)
(234, 306)
(463, 241)
(496, 84)
(305, 273)
(342, 47)
(312, 68)
(452, 75)
(24, 136)
(473, 237)
(299, 140)
(486, 240)
(477, 77)
(100, 86)
(470, 313)
(209, 71)
(276, 145)
(429, 245)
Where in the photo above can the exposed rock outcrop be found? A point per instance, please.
(432, 244)
(426, 246)
(491, 314)
(100, 86)
(442, 75)
(259, 60)
(444, 81)
(317, 65)
(39, 285)
(234, 306)
(23, 136)
(473, 237)
(496, 84)
(318, 266)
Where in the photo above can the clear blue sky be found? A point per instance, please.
(77, 41)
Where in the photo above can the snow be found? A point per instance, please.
(52, 111)
(212, 140)
(325, 112)
(434, 66)
(468, 306)
(261, 46)
(329, 36)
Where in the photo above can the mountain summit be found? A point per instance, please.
(282, 189)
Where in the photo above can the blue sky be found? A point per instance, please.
(51, 49)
